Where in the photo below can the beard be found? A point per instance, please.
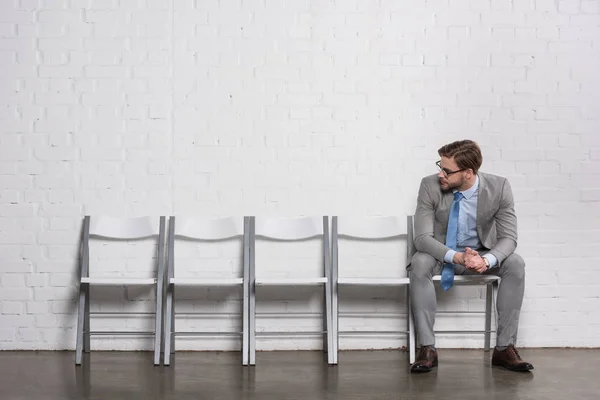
(446, 186)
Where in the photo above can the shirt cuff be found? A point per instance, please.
(449, 257)
(492, 259)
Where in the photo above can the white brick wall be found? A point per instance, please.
(292, 108)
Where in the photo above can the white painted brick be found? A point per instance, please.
(107, 72)
(12, 307)
(13, 280)
(557, 127)
(16, 16)
(151, 72)
(61, 280)
(590, 7)
(7, 29)
(58, 237)
(51, 29)
(57, 154)
(15, 294)
(33, 196)
(63, 71)
(56, 98)
(519, 100)
(7, 335)
(46, 321)
(15, 182)
(569, 6)
(9, 196)
(570, 47)
(10, 252)
(590, 195)
(28, 335)
(36, 280)
(62, 307)
(27, 30)
(37, 307)
(44, 294)
(60, 223)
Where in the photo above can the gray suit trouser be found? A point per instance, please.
(510, 295)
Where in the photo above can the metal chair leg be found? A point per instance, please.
(80, 325)
(86, 324)
(329, 325)
(411, 329)
(252, 327)
(245, 329)
(488, 316)
(158, 328)
(173, 296)
(335, 323)
(168, 326)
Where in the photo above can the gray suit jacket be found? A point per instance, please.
(496, 218)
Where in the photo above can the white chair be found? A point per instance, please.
(118, 229)
(491, 284)
(203, 229)
(370, 228)
(291, 229)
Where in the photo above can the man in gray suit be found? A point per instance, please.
(465, 223)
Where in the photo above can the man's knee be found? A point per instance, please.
(422, 265)
(515, 265)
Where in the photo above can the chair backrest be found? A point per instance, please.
(371, 227)
(120, 249)
(209, 228)
(208, 247)
(288, 228)
(288, 259)
(379, 253)
(123, 228)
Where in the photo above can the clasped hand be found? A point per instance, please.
(471, 259)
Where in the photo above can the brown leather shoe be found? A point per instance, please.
(509, 358)
(426, 360)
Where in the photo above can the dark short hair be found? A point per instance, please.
(466, 154)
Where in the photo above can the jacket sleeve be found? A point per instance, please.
(506, 225)
(424, 222)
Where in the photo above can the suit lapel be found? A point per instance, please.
(444, 206)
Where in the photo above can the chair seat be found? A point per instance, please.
(118, 281)
(206, 281)
(374, 281)
(290, 281)
(471, 279)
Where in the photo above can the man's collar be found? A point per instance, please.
(470, 191)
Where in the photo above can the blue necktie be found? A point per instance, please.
(451, 234)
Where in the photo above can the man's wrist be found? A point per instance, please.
(487, 263)
(458, 258)
(491, 259)
(449, 256)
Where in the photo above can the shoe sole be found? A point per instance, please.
(512, 369)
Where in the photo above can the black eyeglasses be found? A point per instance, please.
(445, 171)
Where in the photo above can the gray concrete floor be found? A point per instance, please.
(462, 374)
